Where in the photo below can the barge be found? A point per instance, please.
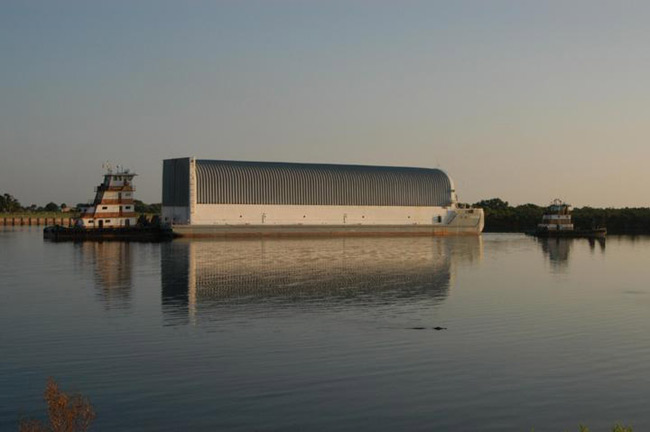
(217, 198)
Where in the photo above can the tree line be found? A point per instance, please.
(9, 204)
(500, 216)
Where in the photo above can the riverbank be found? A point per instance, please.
(36, 221)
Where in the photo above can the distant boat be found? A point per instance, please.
(556, 222)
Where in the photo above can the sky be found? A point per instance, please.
(522, 100)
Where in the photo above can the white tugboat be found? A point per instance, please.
(111, 215)
(556, 222)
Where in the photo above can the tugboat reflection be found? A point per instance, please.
(558, 249)
(204, 276)
(112, 263)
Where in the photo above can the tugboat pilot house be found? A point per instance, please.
(113, 205)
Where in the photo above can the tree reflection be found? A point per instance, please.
(558, 250)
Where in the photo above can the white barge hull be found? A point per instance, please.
(454, 222)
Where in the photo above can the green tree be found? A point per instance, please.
(493, 204)
(141, 207)
(9, 204)
(51, 207)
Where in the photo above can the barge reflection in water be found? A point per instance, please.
(277, 274)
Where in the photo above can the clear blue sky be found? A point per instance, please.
(523, 100)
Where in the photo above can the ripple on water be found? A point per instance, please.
(320, 334)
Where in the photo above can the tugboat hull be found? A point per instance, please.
(144, 234)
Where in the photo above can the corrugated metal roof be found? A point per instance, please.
(234, 182)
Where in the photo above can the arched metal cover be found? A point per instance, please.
(230, 182)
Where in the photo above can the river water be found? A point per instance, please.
(329, 334)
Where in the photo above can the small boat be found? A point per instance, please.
(111, 215)
(556, 222)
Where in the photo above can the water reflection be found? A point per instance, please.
(341, 272)
(597, 241)
(112, 264)
(558, 250)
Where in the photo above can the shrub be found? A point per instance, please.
(66, 412)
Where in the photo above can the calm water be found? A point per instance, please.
(324, 334)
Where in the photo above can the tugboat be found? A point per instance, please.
(556, 222)
(111, 215)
